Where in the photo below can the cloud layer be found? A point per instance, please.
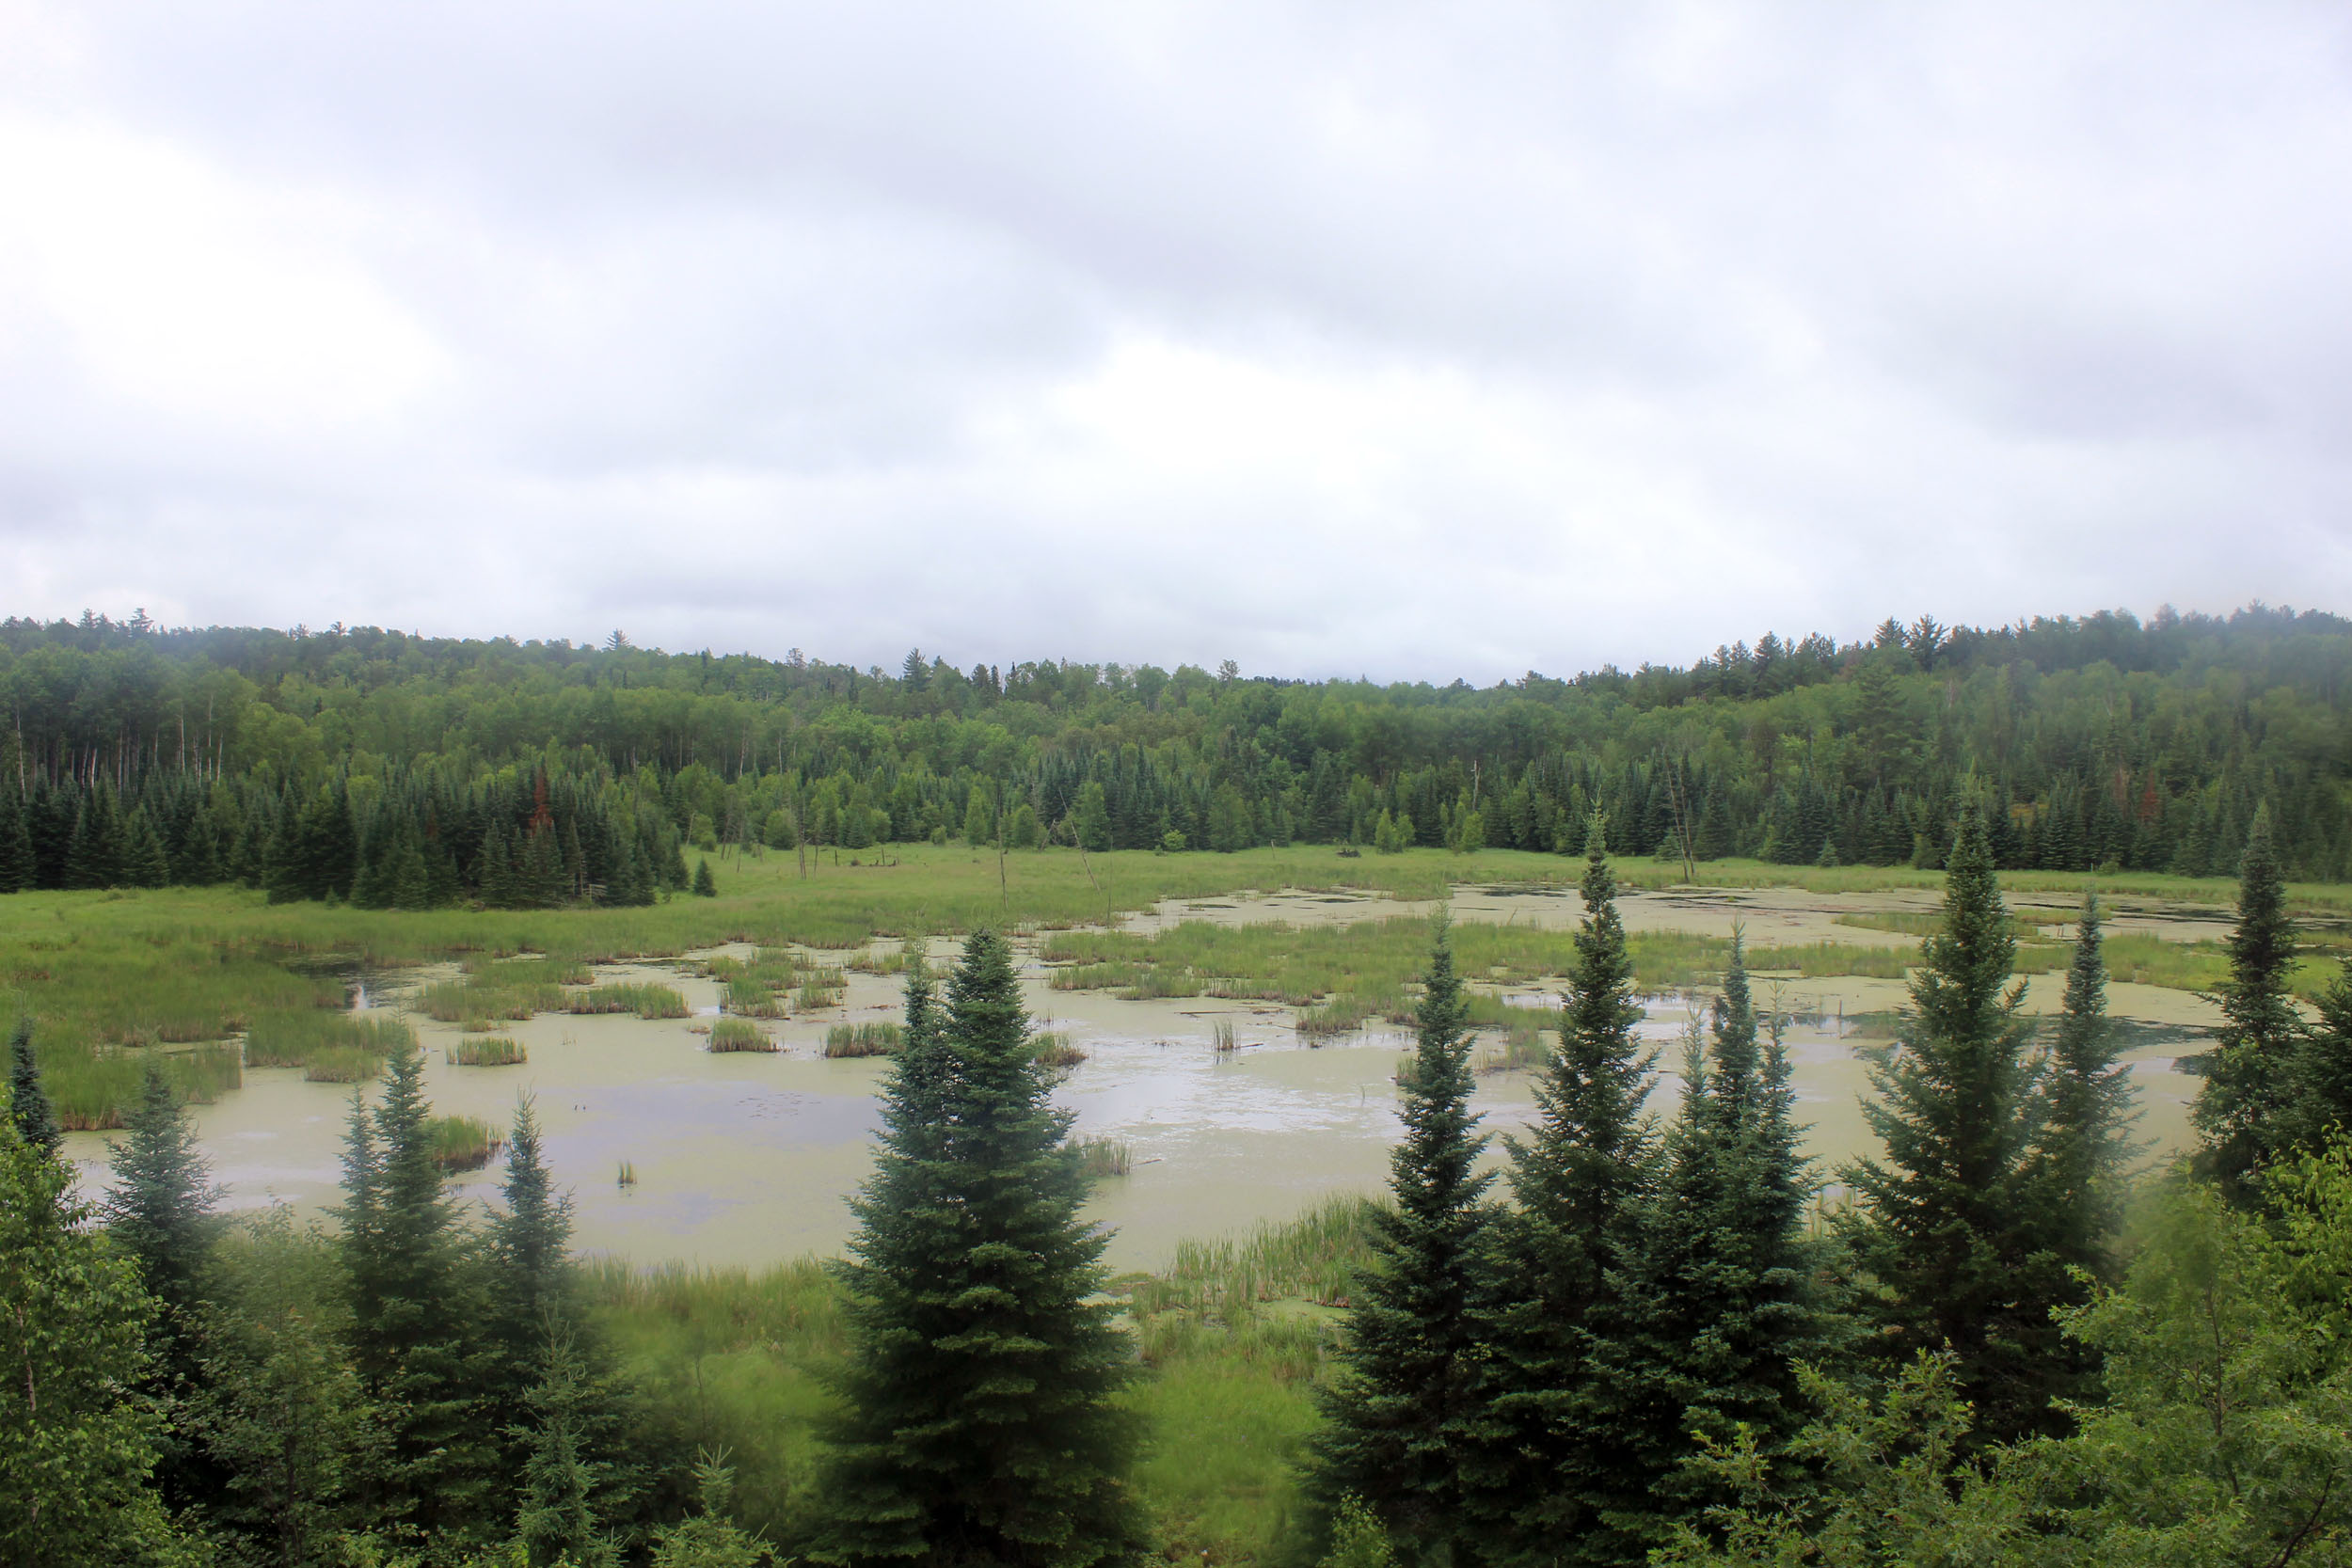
(1419, 341)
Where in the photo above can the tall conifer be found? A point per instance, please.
(1946, 1221)
(413, 1308)
(1399, 1419)
(1721, 1285)
(2245, 1103)
(2087, 1146)
(978, 1421)
(17, 870)
(1550, 1475)
(162, 1212)
(28, 1103)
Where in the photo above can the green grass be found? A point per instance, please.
(1101, 1157)
(296, 1038)
(487, 1050)
(464, 1143)
(863, 1039)
(739, 1034)
(106, 974)
(1056, 1051)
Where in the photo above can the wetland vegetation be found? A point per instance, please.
(351, 857)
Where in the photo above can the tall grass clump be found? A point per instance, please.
(293, 1037)
(464, 1143)
(1222, 1038)
(739, 1034)
(1101, 1157)
(1055, 1050)
(645, 1001)
(863, 1039)
(487, 1050)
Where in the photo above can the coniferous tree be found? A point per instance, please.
(709, 1539)
(706, 886)
(1548, 1476)
(94, 854)
(162, 1216)
(1946, 1221)
(1722, 1287)
(2083, 1165)
(558, 1520)
(977, 1420)
(17, 870)
(2245, 1105)
(1399, 1419)
(2322, 1096)
(144, 861)
(35, 1119)
(412, 1308)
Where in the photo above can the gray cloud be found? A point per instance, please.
(1330, 339)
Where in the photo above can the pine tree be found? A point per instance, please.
(17, 870)
(1946, 1222)
(706, 886)
(1548, 1474)
(144, 861)
(94, 855)
(978, 1421)
(2086, 1145)
(162, 1209)
(200, 863)
(557, 1523)
(709, 1539)
(412, 1305)
(1721, 1298)
(1399, 1418)
(2322, 1096)
(35, 1119)
(2243, 1104)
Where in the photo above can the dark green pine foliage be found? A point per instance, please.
(93, 857)
(18, 869)
(28, 1105)
(1721, 1289)
(161, 1214)
(531, 1280)
(977, 1422)
(557, 1522)
(2323, 1073)
(145, 863)
(1947, 1221)
(706, 886)
(413, 1303)
(1401, 1415)
(2092, 1106)
(2246, 1101)
(1550, 1475)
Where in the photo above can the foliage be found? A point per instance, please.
(1399, 1417)
(2244, 1106)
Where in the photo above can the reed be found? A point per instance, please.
(1222, 1038)
(1101, 1156)
(628, 1177)
(817, 995)
(295, 1037)
(1056, 1051)
(645, 1001)
(464, 1143)
(863, 1039)
(487, 1050)
(739, 1034)
(752, 999)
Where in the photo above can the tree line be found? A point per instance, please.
(2100, 741)
(1646, 1338)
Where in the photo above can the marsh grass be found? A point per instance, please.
(863, 1039)
(292, 1038)
(1222, 1038)
(1055, 1049)
(1101, 1157)
(739, 1034)
(487, 1050)
(464, 1143)
(105, 974)
(817, 995)
(628, 1175)
(645, 1001)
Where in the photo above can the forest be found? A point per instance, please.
(398, 771)
(1642, 1337)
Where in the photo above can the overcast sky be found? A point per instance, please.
(1417, 340)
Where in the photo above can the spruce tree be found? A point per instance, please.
(1946, 1222)
(35, 1119)
(706, 886)
(1721, 1285)
(413, 1308)
(17, 870)
(1410, 1397)
(2246, 1100)
(2322, 1096)
(978, 1421)
(2086, 1145)
(161, 1211)
(1549, 1472)
(558, 1522)
(144, 861)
